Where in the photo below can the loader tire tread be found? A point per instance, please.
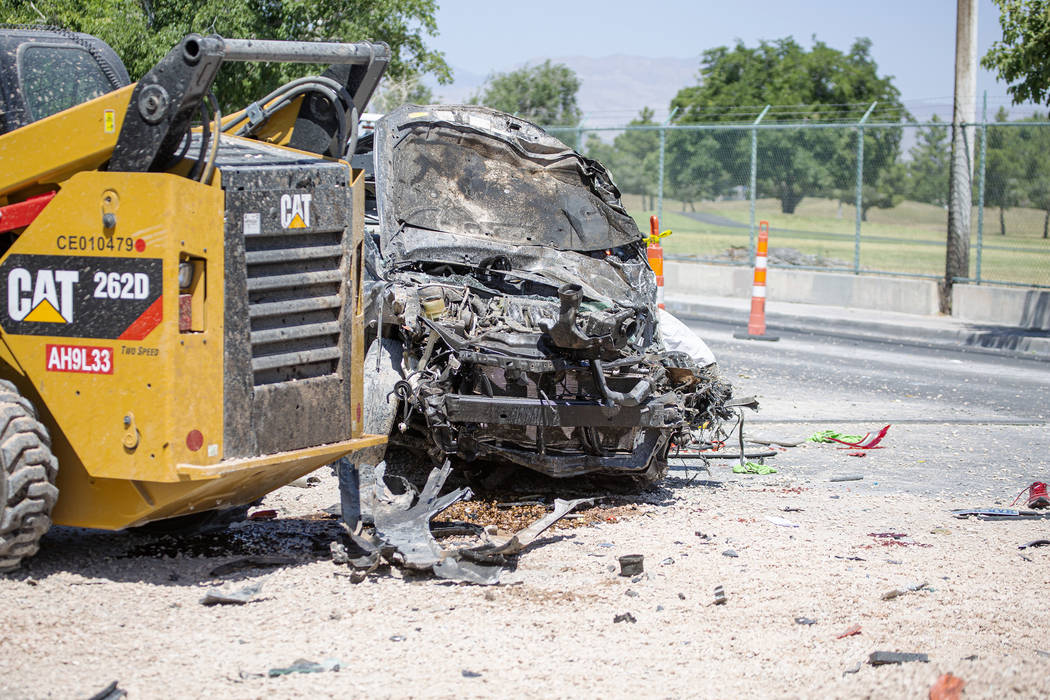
(28, 472)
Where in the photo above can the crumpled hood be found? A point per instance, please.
(489, 179)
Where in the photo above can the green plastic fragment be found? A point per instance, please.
(831, 436)
(753, 468)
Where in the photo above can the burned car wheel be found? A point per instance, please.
(517, 286)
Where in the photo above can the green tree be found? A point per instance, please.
(394, 93)
(1022, 56)
(1003, 168)
(632, 158)
(543, 94)
(822, 84)
(1034, 144)
(928, 167)
(142, 31)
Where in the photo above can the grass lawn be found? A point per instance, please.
(908, 238)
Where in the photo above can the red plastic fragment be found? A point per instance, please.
(852, 630)
(861, 444)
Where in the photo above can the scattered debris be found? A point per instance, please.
(864, 443)
(779, 443)
(1042, 653)
(217, 596)
(402, 534)
(631, 593)
(881, 658)
(268, 514)
(850, 631)
(898, 539)
(854, 668)
(306, 666)
(264, 561)
(855, 454)
(624, 617)
(470, 674)
(1000, 514)
(850, 558)
(681, 596)
(1037, 497)
(667, 562)
(631, 564)
(940, 531)
(110, 692)
(1034, 543)
(720, 595)
(753, 468)
(947, 687)
(339, 554)
(780, 521)
(805, 621)
(792, 509)
(832, 436)
(730, 553)
(889, 595)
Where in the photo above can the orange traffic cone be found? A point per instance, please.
(655, 253)
(756, 324)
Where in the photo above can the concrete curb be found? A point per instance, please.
(997, 340)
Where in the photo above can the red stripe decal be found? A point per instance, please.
(145, 323)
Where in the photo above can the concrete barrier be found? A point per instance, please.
(1002, 306)
(902, 295)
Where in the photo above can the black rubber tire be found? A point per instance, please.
(28, 472)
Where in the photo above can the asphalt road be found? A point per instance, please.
(962, 422)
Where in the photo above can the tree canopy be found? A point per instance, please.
(1022, 57)
(818, 85)
(142, 31)
(632, 158)
(544, 94)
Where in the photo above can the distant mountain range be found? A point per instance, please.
(613, 89)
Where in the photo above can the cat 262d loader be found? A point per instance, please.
(180, 306)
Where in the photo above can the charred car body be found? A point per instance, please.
(513, 309)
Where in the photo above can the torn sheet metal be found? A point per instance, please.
(403, 534)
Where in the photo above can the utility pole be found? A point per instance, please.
(957, 256)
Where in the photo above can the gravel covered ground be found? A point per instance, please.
(94, 608)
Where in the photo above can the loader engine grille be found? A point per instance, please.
(289, 299)
(295, 294)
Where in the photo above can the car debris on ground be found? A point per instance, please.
(401, 533)
(882, 658)
(236, 597)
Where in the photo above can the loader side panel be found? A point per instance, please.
(289, 311)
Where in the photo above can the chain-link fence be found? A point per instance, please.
(866, 198)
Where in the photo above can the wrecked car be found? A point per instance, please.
(513, 311)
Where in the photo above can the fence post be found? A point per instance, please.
(980, 185)
(860, 187)
(754, 179)
(660, 184)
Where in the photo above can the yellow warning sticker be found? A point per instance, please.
(109, 121)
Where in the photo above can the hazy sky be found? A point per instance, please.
(913, 40)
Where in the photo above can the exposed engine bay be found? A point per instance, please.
(512, 307)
